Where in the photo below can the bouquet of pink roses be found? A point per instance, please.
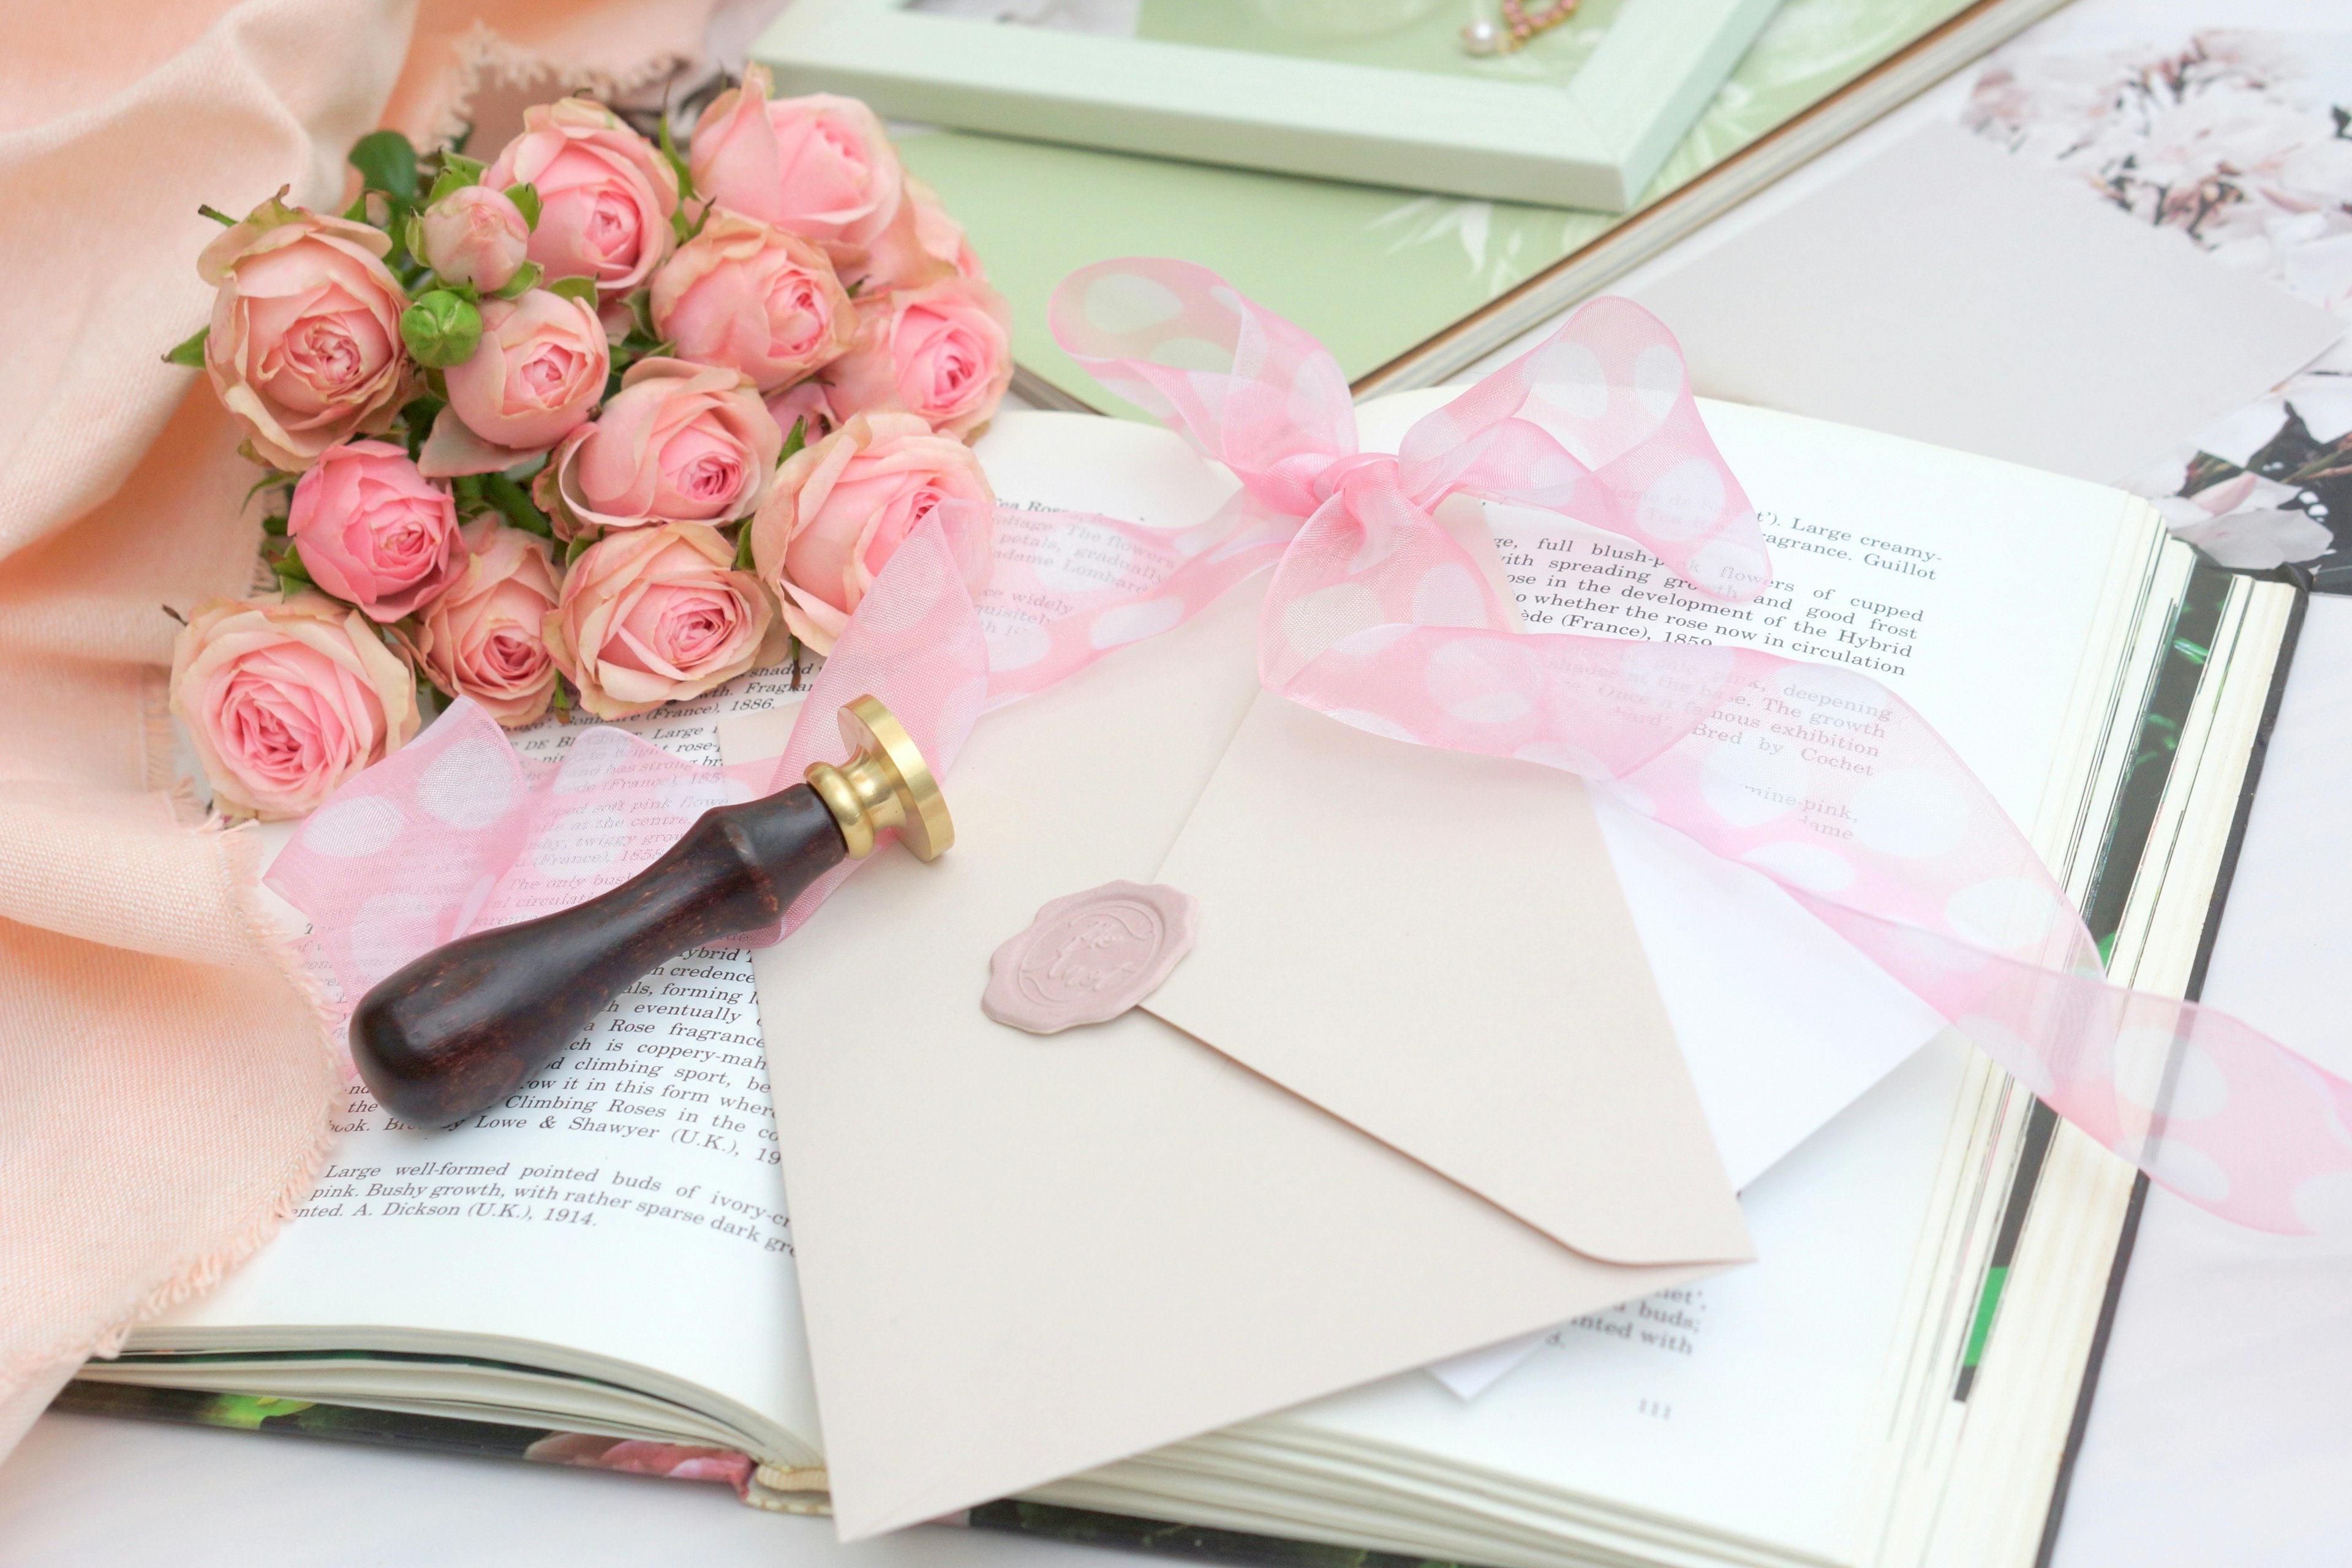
(596, 423)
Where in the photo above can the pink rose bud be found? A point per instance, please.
(373, 532)
(485, 639)
(305, 344)
(678, 442)
(284, 701)
(652, 615)
(809, 405)
(840, 508)
(943, 351)
(819, 166)
(921, 245)
(605, 195)
(537, 375)
(475, 235)
(754, 298)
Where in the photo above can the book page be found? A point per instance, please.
(1973, 589)
(626, 1201)
(1739, 1403)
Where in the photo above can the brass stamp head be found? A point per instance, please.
(885, 785)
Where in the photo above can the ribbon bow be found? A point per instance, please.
(1379, 618)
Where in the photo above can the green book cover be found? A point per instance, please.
(1370, 272)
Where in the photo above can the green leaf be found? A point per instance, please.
(416, 416)
(447, 181)
(291, 574)
(215, 213)
(676, 161)
(191, 351)
(387, 163)
(794, 439)
(526, 278)
(563, 703)
(274, 526)
(579, 547)
(526, 198)
(581, 288)
(455, 173)
(743, 549)
(263, 483)
(514, 504)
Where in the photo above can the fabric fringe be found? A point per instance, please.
(159, 763)
(241, 849)
(485, 58)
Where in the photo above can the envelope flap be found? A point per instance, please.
(1432, 947)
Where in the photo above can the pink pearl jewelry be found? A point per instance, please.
(1520, 23)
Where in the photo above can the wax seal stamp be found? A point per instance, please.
(1089, 957)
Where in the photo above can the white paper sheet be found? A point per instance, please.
(1948, 293)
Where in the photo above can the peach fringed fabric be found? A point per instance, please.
(166, 1078)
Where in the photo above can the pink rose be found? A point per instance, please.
(819, 166)
(537, 375)
(283, 701)
(841, 507)
(605, 195)
(373, 532)
(475, 235)
(652, 615)
(753, 298)
(486, 637)
(943, 351)
(678, 442)
(305, 345)
(921, 245)
(809, 405)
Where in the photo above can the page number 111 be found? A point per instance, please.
(1656, 1409)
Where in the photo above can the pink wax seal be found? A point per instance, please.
(1089, 957)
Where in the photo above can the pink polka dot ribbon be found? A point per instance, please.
(1813, 775)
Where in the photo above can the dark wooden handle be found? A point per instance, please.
(461, 1027)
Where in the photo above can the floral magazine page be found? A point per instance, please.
(2240, 143)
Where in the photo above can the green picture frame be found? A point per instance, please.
(1592, 143)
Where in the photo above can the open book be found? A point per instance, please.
(607, 1257)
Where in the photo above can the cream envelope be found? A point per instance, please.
(1432, 947)
(1023, 1256)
